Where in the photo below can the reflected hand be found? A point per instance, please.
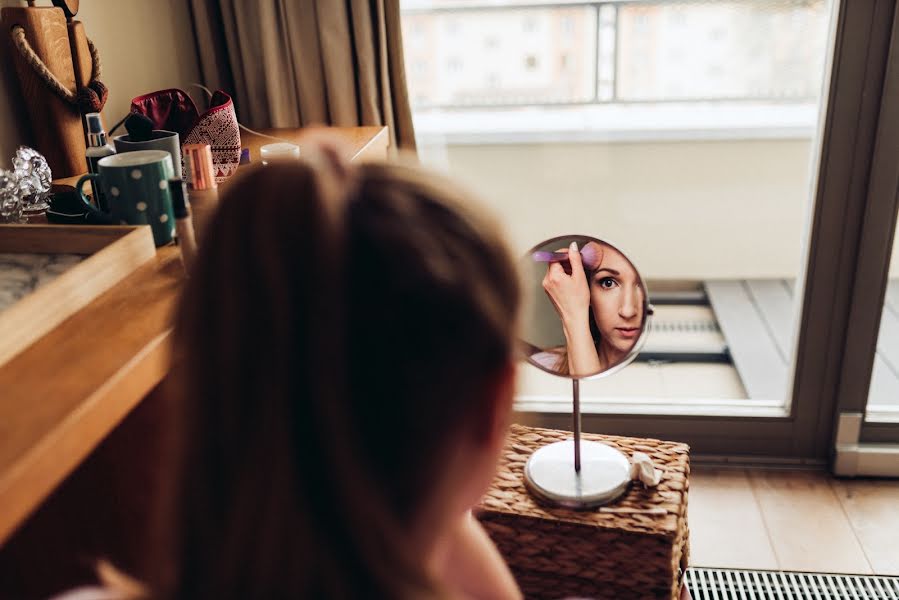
(569, 292)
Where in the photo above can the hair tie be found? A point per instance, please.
(330, 155)
(323, 147)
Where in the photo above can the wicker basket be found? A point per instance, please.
(622, 553)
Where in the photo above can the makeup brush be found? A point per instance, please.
(591, 256)
(140, 128)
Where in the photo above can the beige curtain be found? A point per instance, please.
(292, 63)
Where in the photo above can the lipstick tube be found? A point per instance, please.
(204, 195)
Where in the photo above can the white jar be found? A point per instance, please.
(279, 151)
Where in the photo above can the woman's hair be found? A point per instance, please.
(335, 338)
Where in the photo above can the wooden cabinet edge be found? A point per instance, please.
(26, 485)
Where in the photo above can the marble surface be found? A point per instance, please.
(21, 274)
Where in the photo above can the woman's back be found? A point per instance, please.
(343, 366)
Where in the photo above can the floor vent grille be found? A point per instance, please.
(725, 584)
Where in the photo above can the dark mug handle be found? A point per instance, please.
(79, 187)
(93, 215)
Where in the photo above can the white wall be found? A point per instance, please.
(144, 46)
(682, 210)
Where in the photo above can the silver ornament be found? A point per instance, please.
(11, 205)
(35, 179)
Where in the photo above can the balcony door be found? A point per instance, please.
(728, 147)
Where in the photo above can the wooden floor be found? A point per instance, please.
(793, 521)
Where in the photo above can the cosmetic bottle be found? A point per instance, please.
(97, 148)
(203, 191)
(184, 225)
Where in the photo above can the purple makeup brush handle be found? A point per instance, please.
(548, 257)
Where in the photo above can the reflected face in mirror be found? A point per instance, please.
(593, 310)
(616, 303)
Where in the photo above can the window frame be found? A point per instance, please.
(872, 261)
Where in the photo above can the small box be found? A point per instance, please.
(633, 548)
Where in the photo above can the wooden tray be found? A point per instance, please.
(112, 253)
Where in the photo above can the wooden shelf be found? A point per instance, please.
(65, 393)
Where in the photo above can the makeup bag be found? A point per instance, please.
(174, 110)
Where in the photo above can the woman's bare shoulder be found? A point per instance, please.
(548, 359)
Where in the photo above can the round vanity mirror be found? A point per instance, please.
(588, 316)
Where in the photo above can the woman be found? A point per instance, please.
(344, 362)
(600, 306)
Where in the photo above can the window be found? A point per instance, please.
(741, 60)
(719, 103)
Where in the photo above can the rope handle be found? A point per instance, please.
(82, 101)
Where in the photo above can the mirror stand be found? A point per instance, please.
(576, 422)
(598, 475)
(574, 473)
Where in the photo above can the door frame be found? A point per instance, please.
(861, 447)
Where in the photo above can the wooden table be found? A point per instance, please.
(363, 143)
(63, 395)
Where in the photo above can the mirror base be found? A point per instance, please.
(551, 478)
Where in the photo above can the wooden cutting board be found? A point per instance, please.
(56, 125)
(81, 53)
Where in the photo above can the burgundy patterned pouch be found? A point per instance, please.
(174, 110)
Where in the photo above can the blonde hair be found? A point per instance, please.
(335, 337)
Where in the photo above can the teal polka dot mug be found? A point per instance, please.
(136, 188)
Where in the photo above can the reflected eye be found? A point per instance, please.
(606, 283)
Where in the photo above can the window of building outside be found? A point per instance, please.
(681, 131)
